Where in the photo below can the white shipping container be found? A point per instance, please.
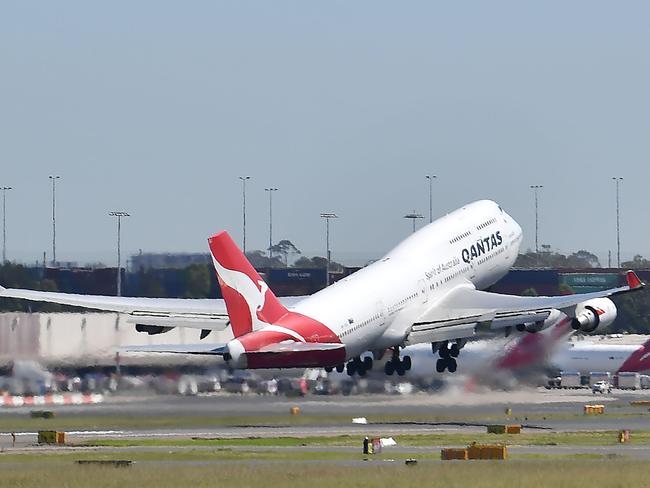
(570, 379)
(629, 381)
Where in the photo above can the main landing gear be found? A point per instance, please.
(355, 366)
(397, 365)
(448, 354)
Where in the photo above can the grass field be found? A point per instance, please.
(325, 461)
(314, 461)
(557, 473)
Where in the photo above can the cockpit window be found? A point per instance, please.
(500, 209)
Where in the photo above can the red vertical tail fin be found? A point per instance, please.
(249, 301)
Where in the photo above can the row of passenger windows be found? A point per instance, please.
(401, 302)
(461, 236)
(486, 224)
(361, 324)
(456, 274)
(492, 255)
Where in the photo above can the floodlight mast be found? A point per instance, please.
(119, 216)
(327, 216)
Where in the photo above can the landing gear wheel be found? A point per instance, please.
(399, 368)
(340, 368)
(441, 365)
(328, 369)
(454, 350)
(389, 368)
(367, 363)
(452, 365)
(351, 368)
(407, 363)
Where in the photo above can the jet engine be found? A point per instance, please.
(594, 314)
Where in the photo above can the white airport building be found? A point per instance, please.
(91, 339)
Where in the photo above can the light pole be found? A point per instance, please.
(536, 188)
(618, 179)
(414, 216)
(270, 190)
(4, 189)
(327, 216)
(243, 180)
(430, 178)
(54, 178)
(119, 216)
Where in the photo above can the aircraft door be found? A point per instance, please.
(422, 290)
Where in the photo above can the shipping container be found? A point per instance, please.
(517, 281)
(629, 381)
(569, 379)
(590, 282)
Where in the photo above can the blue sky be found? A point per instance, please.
(157, 107)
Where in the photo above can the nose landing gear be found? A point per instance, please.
(397, 365)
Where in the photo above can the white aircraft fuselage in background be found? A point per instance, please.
(585, 357)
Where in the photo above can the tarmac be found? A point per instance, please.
(459, 411)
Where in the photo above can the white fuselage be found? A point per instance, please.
(476, 244)
(588, 357)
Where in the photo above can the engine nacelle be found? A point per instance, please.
(594, 314)
(152, 329)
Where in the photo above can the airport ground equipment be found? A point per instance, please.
(594, 409)
(570, 379)
(629, 381)
(596, 376)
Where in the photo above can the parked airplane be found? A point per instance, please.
(586, 357)
(427, 289)
(499, 360)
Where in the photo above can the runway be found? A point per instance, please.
(233, 417)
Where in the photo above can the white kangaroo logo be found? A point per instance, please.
(254, 296)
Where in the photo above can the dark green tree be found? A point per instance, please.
(198, 280)
(638, 262)
(259, 259)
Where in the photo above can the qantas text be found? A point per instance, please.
(482, 246)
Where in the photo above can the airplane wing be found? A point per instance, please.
(464, 308)
(207, 314)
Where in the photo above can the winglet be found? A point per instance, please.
(633, 280)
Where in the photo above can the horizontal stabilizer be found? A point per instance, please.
(283, 347)
(204, 349)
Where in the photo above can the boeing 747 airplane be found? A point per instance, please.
(426, 290)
